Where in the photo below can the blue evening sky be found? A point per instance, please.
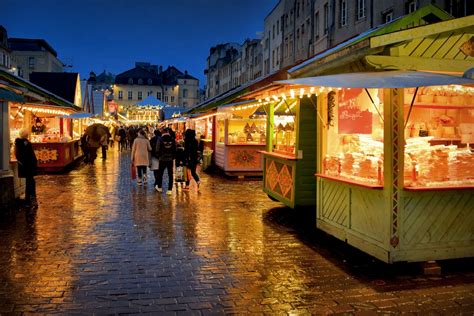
(113, 34)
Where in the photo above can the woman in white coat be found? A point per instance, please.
(140, 156)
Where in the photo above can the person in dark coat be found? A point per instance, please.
(27, 166)
(166, 155)
(155, 145)
(123, 138)
(191, 154)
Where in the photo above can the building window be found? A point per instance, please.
(149, 93)
(140, 81)
(185, 104)
(387, 17)
(150, 82)
(172, 99)
(360, 9)
(184, 82)
(140, 95)
(166, 98)
(130, 81)
(185, 93)
(130, 95)
(120, 95)
(326, 19)
(158, 95)
(31, 62)
(278, 27)
(343, 8)
(410, 6)
(316, 24)
(273, 31)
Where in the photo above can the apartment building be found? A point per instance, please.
(171, 86)
(33, 55)
(296, 30)
(5, 52)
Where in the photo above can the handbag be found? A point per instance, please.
(133, 171)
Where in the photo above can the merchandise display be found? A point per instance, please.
(204, 127)
(439, 134)
(355, 138)
(246, 131)
(284, 137)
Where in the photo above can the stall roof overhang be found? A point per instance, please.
(79, 115)
(36, 95)
(7, 95)
(386, 79)
(237, 92)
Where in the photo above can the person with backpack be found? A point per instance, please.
(166, 155)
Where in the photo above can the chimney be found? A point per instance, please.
(161, 69)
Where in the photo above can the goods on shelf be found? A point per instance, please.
(440, 165)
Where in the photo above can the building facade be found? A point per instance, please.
(170, 86)
(218, 68)
(5, 52)
(296, 30)
(33, 55)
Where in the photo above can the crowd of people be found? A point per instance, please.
(152, 148)
(164, 151)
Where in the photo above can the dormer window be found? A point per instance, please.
(140, 81)
(130, 81)
(150, 82)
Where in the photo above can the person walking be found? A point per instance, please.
(122, 134)
(191, 154)
(140, 156)
(27, 166)
(155, 163)
(166, 154)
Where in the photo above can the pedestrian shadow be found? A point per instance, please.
(380, 276)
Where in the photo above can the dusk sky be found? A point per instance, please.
(113, 34)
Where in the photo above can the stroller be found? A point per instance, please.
(180, 170)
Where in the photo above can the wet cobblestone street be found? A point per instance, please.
(100, 244)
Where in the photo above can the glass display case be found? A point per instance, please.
(354, 140)
(284, 134)
(439, 135)
(241, 131)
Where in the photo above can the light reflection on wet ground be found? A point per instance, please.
(100, 244)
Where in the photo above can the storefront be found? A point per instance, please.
(240, 138)
(394, 163)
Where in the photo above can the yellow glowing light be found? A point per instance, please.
(283, 96)
(292, 93)
(275, 98)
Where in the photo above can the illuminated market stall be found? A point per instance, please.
(147, 111)
(240, 136)
(289, 158)
(395, 162)
(36, 109)
(204, 125)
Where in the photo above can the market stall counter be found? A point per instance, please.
(240, 138)
(395, 174)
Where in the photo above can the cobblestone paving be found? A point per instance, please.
(99, 244)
